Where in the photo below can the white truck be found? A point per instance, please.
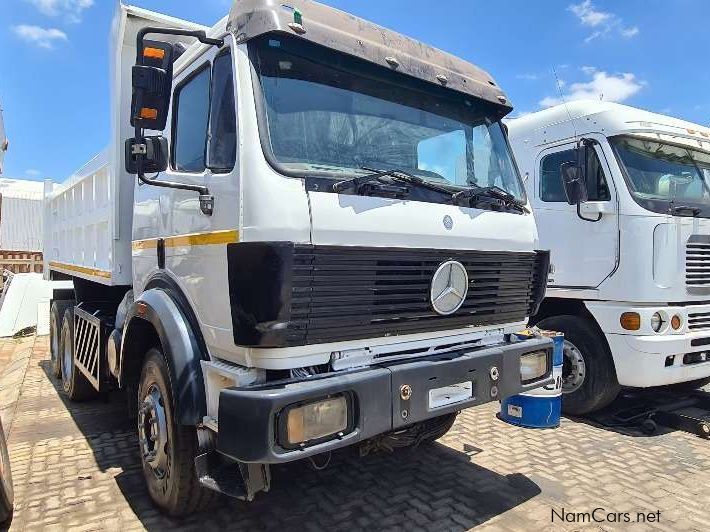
(622, 199)
(327, 244)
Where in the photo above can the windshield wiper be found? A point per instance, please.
(679, 209)
(355, 184)
(476, 193)
(406, 177)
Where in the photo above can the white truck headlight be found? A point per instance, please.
(657, 322)
(533, 366)
(316, 420)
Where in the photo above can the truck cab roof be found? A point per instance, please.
(354, 36)
(580, 117)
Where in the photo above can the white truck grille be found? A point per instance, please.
(698, 320)
(697, 264)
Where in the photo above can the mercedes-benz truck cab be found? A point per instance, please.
(622, 199)
(308, 232)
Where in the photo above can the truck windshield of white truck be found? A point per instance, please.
(665, 178)
(329, 115)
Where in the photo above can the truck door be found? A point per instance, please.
(203, 151)
(584, 248)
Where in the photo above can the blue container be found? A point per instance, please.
(540, 408)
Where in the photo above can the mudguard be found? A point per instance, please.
(180, 347)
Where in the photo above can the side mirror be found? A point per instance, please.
(575, 185)
(154, 151)
(152, 80)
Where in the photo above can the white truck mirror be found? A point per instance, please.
(574, 183)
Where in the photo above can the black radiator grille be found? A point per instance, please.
(341, 293)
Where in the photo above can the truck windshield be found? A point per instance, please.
(663, 177)
(329, 115)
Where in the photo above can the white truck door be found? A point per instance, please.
(203, 151)
(584, 251)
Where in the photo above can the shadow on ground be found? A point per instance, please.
(432, 487)
(653, 412)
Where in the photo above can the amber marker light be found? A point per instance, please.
(676, 322)
(149, 113)
(154, 53)
(631, 321)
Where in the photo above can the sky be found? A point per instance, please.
(652, 54)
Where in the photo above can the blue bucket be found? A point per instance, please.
(540, 408)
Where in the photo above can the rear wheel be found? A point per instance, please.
(167, 449)
(56, 316)
(589, 380)
(76, 386)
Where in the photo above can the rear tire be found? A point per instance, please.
(589, 380)
(56, 317)
(167, 449)
(76, 386)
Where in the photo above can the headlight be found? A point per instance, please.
(657, 322)
(316, 420)
(533, 366)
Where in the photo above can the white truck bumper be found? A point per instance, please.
(643, 361)
(645, 358)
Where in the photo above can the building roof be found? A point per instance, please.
(21, 188)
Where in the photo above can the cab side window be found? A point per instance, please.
(223, 121)
(551, 189)
(204, 119)
(192, 102)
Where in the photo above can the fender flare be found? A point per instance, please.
(180, 347)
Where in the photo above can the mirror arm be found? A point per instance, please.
(199, 35)
(579, 213)
(206, 199)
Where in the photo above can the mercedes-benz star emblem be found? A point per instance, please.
(449, 287)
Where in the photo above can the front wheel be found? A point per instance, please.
(589, 380)
(167, 449)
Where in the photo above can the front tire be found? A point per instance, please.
(589, 380)
(167, 449)
(56, 317)
(75, 384)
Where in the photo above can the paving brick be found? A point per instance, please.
(76, 467)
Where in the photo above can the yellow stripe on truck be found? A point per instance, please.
(80, 269)
(194, 239)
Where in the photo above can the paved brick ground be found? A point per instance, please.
(76, 467)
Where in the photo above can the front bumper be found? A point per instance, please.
(644, 361)
(249, 416)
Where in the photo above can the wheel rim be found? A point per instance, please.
(573, 368)
(67, 361)
(153, 431)
(54, 349)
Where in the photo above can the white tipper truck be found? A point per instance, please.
(622, 199)
(308, 232)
